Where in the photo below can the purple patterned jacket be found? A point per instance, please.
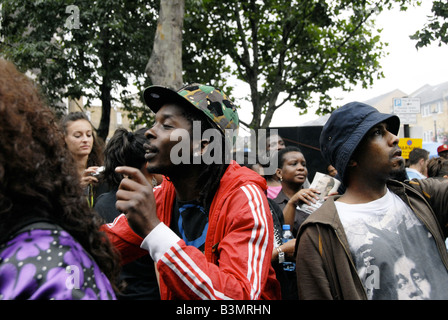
(46, 262)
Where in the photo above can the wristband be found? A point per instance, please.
(281, 255)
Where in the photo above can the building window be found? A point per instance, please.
(426, 110)
(428, 136)
(119, 119)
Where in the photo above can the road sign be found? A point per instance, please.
(407, 118)
(408, 144)
(406, 105)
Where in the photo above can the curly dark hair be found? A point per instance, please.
(125, 148)
(38, 178)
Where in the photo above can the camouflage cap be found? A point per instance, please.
(210, 100)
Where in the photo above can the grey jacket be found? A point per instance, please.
(324, 265)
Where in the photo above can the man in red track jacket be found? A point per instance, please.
(208, 227)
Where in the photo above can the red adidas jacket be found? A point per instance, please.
(236, 263)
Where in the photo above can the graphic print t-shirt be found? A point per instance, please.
(395, 255)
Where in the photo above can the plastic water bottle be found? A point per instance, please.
(286, 236)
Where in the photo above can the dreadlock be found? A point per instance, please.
(210, 177)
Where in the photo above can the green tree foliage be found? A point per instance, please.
(82, 48)
(436, 28)
(287, 50)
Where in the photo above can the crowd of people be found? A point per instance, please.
(82, 220)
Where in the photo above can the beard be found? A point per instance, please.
(399, 172)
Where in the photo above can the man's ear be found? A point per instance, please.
(201, 148)
(204, 145)
(278, 173)
(352, 163)
(422, 162)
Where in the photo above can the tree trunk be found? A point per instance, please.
(256, 105)
(105, 87)
(103, 129)
(272, 107)
(268, 116)
(165, 64)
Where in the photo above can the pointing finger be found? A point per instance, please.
(132, 173)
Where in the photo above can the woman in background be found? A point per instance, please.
(274, 143)
(292, 172)
(438, 168)
(50, 244)
(85, 149)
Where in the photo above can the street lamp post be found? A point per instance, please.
(434, 116)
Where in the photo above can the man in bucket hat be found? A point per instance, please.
(381, 239)
(207, 226)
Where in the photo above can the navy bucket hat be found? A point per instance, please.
(345, 129)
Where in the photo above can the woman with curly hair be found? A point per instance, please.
(50, 243)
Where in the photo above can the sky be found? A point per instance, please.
(405, 68)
